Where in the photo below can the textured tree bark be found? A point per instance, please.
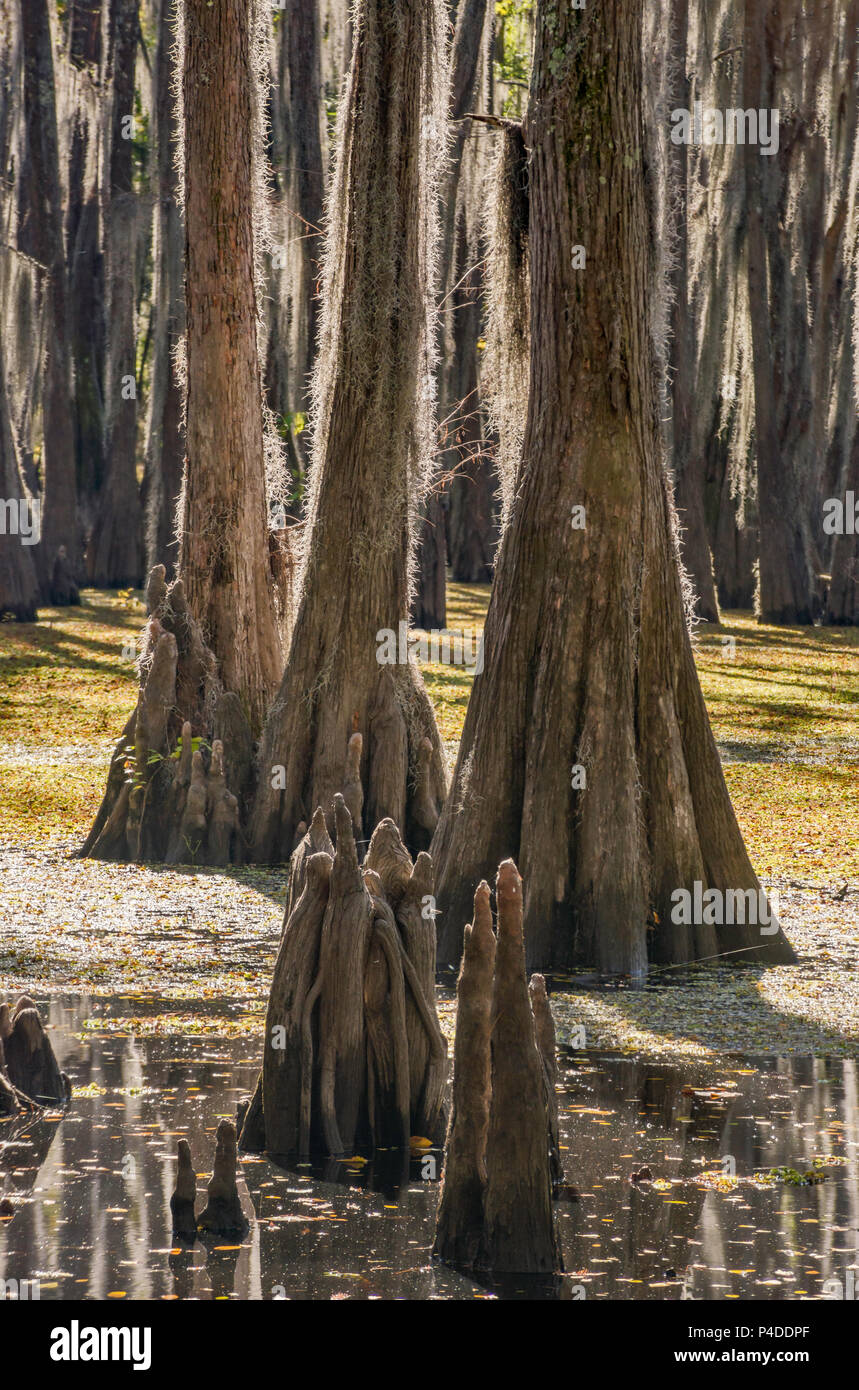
(27, 1058)
(224, 559)
(429, 608)
(84, 251)
(222, 1214)
(165, 426)
(544, 1030)
(689, 462)
(519, 1229)
(18, 580)
(353, 1052)
(18, 583)
(473, 531)
(719, 446)
(372, 445)
(495, 1212)
(182, 774)
(587, 751)
(115, 550)
(299, 166)
(778, 313)
(172, 796)
(41, 235)
(184, 1196)
(459, 1222)
(842, 605)
(735, 541)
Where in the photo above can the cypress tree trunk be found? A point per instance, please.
(718, 448)
(429, 609)
(735, 545)
(41, 235)
(115, 553)
(372, 444)
(84, 251)
(165, 431)
(587, 752)
(778, 298)
(224, 526)
(459, 328)
(841, 287)
(842, 604)
(689, 461)
(18, 582)
(299, 168)
(473, 532)
(211, 647)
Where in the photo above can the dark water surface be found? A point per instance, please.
(90, 1187)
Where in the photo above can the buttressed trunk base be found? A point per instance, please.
(587, 752)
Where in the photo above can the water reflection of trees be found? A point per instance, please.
(781, 1113)
(91, 1193)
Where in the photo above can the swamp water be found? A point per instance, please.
(90, 1186)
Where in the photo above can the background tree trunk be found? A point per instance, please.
(115, 552)
(688, 459)
(224, 526)
(18, 581)
(299, 157)
(588, 662)
(780, 335)
(472, 530)
(84, 250)
(429, 609)
(165, 428)
(41, 235)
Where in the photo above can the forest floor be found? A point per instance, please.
(190, 950)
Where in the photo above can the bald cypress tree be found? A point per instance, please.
(211, 650)
(587, 752)
(165, 425)
(373, 407)
(40, 235)
(224, 558)
(115, 551)
(18, 582)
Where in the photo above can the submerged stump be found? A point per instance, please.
(29, 1071)
(354, 1055)
(223, 1213)
(495, 1213)
(184, 1197)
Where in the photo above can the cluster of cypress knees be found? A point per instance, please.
(354, 1055)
